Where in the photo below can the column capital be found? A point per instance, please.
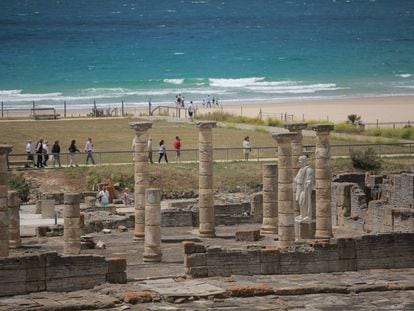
(295, 127)
(284, 138)
(206, 124)
(141, 126)
(5, 149)
(323, 128)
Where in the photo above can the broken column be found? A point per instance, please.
(72, 227)
(14, 219)
(205, 179)
(323, 175)
(152, 243)
(270, 204)
(256, 206)
(286, 213)
(47, 208)
(297, 151)
(141, 175)
(4, 210)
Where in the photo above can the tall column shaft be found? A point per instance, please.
(14, 219)
(72, 226)
(152, 242)
(205, 179)
(286, 216)
(4, 210)
(297, 151)
(270, 199)
(323, 180)
(141, 169)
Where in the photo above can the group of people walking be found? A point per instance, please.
(162, 151)
(44, 153)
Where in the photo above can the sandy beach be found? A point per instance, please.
(371, 109)
(383, 109)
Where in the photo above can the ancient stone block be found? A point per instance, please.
(248, 235)
(195, 260)
(116, 277)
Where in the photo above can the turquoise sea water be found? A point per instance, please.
(113, 50)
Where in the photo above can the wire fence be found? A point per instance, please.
(222, 154)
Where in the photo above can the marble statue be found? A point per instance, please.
(303, 183)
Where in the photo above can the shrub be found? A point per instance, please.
(18, 183)
(274, 122)
(354, 119)
(348, 128)
(367, 160)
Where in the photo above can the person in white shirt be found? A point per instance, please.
(247, 147)
(29, 151)
(89, 150)
(104, 197)
(190, 110)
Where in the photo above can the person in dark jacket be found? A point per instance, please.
(72, 153)
(39, 152)
(56, 154)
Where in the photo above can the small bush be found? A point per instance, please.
(274, 122)
(367, 160)
(349, 128)
(18, 183)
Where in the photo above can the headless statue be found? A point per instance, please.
(303, 182)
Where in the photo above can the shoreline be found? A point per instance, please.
(371, 109)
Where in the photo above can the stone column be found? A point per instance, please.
(141, 175)
(152, 244)
(4, 210)
(205, 179)
(286, 216)
(323, 176)
(270, 204)
(14, 220)
(297, 151)
(72, 227)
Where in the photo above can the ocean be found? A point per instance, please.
(83, 51)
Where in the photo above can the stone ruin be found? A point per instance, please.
(363, 204)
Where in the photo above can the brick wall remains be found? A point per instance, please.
(52, 272)
(368, 252)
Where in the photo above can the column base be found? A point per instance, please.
(207, 234)
(323, 235)
(269, 229)
(139, 236)
(152, 257)
(305, 229)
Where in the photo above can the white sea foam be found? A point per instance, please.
(174, 81)
(178, 53)
(295, 89)
(404, 75)
(259, 85)
(242, 82)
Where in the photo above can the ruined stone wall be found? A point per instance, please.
(52, 272)
(399, 190)
(381, 204)
(368, 252)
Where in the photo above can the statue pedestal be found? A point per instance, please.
(305, 229)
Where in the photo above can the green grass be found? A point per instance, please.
(227, 117)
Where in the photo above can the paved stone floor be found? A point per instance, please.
(170, 290)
